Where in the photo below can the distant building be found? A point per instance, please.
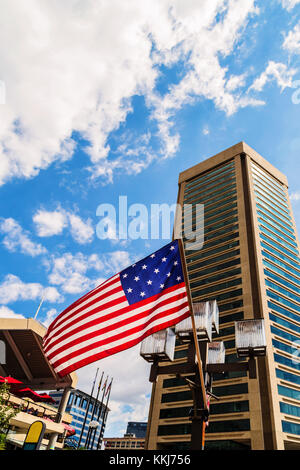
(128, 442)
(77, 406)
(139, 429)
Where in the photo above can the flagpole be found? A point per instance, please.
(189, 296)
(88, 439)
(93, 412)
(104, 390)
(105, 415)
(87, 408)
(100, 410)
(99, 414)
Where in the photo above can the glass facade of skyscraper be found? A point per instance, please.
(281, 261)
(250, 264)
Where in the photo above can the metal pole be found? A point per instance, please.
(90, 431)
(87, 409)
(104, 417)
(62, 406)
(181, 248)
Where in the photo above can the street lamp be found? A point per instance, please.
(215, 315)
(250, 338)
(159, 347)
(215, 353)
(250, 343)
(203, 319)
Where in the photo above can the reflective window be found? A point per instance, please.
(214, 260)
(284, 347)
(228, 426)
(176, 396)
(289, 392)
(281, 272)
(219, 249)
(283, 301)
(284, 311)
(285, 258)
(208, 185)
(286, 361)
(227, 188)
(207, 176)
(275, 210)
(264, 216)
(219, 267)
(279, 262)
(270, 200)
(285, 323)
(285, 243)
(218, 287)
(267, 191)
(208, 280)
(281, 374)
(231, 305)
(274, 217)
(283, 291)
(293, 428)
(230, 390)
(284, 334)
(289, 409)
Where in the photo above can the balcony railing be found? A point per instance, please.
(30, 407)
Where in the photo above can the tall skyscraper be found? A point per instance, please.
(250, 263)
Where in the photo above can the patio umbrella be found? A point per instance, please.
(27, 392)
(70, 430)
(46, 398)
(13, 383)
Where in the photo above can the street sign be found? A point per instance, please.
(34, 436)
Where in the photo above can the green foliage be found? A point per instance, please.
(7, 411)
(2, 441)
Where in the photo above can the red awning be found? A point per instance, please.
(70, 430)
(13, 383)
(46, 398)
(27, 392)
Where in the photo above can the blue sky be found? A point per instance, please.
(98, 105)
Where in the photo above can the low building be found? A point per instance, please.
(25, 361)
(77, 407)
(128, 442)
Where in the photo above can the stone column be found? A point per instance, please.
(61, 410)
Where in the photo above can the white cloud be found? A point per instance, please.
(292, 40)
(274, 71)
(16, 238)
(295, 196)
(6, 312)
(289, 4)
(75, 73)
(80, 273)
(81, 231)
(13, 289)
(117, 260)
(50, 315)
(49, 223)
(205, 130)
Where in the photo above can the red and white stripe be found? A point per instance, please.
(103, 323)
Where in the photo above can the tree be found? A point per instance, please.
(7, 411)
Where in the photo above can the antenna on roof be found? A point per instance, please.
(42, 300)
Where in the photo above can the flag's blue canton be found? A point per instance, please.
(153, 274)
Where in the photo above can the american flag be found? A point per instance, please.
(147, 297)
